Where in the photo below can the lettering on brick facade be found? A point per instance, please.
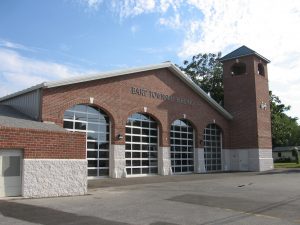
(158, 95)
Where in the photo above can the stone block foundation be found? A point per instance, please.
(54, 177)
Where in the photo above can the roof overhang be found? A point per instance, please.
(244, 55)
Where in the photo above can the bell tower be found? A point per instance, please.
(246, 97)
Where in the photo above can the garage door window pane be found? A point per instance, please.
(182, 147)
(141, 144)
(212, 148)
(95, 123)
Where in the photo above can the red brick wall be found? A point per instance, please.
(251, 126)
(44, 144)
(263, 115)
(113, 95)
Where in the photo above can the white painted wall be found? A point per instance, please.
(54, 177)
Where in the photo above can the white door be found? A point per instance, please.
(10, 173)
(243, 160)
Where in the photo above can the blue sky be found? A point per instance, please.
(51, 40)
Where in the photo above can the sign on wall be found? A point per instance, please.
(158, 95)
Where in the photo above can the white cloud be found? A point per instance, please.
(164, 5)
(92, 4)
(19, 72)
(10, 45)
(172, 22)
(256, 23)
(130, 8)
(269, 27)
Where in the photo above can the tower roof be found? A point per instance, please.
(242, 51)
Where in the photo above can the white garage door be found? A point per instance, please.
(10, 173)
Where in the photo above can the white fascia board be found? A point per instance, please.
(106, 75)
(27, 90)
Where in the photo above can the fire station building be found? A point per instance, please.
(142, 121)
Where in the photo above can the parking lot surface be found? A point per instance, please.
(224, 198)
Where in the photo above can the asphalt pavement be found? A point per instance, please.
(271, 197)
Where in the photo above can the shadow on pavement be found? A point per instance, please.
(280, 171)
(244, 207)
(47, 216)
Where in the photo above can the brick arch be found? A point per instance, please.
(113, 117)
(154, 115)
(149, 112)
(191, 120)
(220, 127)
(194, 128)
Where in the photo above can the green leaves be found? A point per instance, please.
(206, 70)
(285, 129)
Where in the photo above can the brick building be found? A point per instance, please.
(143, 121)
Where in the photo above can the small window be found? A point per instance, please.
(279, 154)
(260, 69)
(238, 69)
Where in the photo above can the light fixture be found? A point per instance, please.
(263, 106)
(120, 136)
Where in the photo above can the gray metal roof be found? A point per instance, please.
(284, 149)
(242, 51)
(10, 117)
(166, 65)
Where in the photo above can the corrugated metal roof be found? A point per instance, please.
(166, 65)
(242, 51)
(10, 117)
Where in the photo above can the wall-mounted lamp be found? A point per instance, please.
(120, 136)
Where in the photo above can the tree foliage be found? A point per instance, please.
(285, 129)
(206, 71)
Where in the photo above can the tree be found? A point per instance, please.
(285, 130)
(206, 71)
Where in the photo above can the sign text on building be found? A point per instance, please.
(157, 95)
